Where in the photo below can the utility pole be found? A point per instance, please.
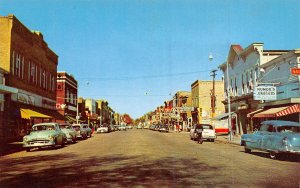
(213, 95)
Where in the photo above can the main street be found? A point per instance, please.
(146, 158)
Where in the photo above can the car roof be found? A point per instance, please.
(279, 123)
(38, 124)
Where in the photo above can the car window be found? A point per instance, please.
(264, 128)
(292, 129)
(270, 128)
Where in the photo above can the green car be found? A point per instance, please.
(44, 134)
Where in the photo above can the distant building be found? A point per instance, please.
(182, 103)
(31, 66)
(66, 96)
(202, 100)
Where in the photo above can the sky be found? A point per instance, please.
(136, 54)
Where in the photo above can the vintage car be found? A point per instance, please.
(69, 131)
(44, 134)
(208, 132)
(80, 131)
(104, 129)
(163, 128)
(276, 137)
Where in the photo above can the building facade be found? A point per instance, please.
(201, 94)
(66, 96)
(4, 90)
(31, 67)
(244, 72)
(278, 73)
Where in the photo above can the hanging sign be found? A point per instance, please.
(265, 93)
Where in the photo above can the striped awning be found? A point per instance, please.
(290, 110)
(278, 112)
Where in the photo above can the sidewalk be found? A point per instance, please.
(225, 139)
(9, 148)
(220, 138)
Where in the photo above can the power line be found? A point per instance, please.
(143, 77)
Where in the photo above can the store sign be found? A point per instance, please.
(27, 99)
(265, 93)
(295, 71)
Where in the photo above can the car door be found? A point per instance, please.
(267, 138)
(256, 138)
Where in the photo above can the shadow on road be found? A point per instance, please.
(290, 158)
(110, 171)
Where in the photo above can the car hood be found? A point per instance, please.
(40, 134)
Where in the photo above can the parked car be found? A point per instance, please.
(80, 131)
(44, 134)
(164, 128)
(69, 131)
(276, 137)
(208, 133)
(122, 127)
(88, 129)
(116, 127)
(104, 129)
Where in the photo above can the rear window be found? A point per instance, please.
(77, 127)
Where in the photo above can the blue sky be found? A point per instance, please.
(124, 49)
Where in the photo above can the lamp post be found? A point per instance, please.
(210, 57)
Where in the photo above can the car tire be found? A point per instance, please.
(212, 140)
(274, 155)
(63, 142)
(247, 150)
(27, 149)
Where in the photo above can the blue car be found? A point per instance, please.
(275, 137)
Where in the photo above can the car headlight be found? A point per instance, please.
(51, 137)
(25, 139)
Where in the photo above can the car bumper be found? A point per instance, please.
(38, 143)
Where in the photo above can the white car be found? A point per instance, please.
(208, 132)
(103, 129)
(122, 127)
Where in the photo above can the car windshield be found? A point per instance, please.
(76, 127)
(293, 129)
(42, 127)
(65, 126)
(207, 127)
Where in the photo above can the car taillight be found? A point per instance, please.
(285, 141)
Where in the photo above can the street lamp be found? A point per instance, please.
(210, 57)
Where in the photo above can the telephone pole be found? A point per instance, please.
(213, 95)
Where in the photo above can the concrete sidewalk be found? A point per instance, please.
(225, 139)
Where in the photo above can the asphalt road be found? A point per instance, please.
(144, 158)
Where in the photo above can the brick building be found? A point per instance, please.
(66, 96)
(31, 66)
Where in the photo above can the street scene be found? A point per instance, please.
(136, 159)
(161, 93)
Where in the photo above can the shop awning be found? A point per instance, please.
(290, 110)
(254, 112)
(222, 116)
(280, 111)
(28, 114)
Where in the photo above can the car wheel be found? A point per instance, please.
(247, 150)
(63, 142)
(213, 140)
(274, 155)
(27, 149)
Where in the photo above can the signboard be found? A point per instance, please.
(265, 93)
(295, 71)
